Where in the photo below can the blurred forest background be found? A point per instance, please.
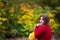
(19, 17)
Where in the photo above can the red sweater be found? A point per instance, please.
(43, 32)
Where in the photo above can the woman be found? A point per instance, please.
(43, 31)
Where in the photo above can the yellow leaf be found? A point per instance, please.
(4, 19)
(52, 20)
(12, 9)
(0, 23)
(51, 15)
(0, 14)
(1, 4)
(20, 22)
(53, 30)
(31, 36)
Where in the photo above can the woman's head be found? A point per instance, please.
(44, 19)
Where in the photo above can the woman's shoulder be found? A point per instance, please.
(44, 26)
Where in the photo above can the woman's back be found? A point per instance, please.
(43, 32)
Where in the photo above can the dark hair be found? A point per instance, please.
(45, 18)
